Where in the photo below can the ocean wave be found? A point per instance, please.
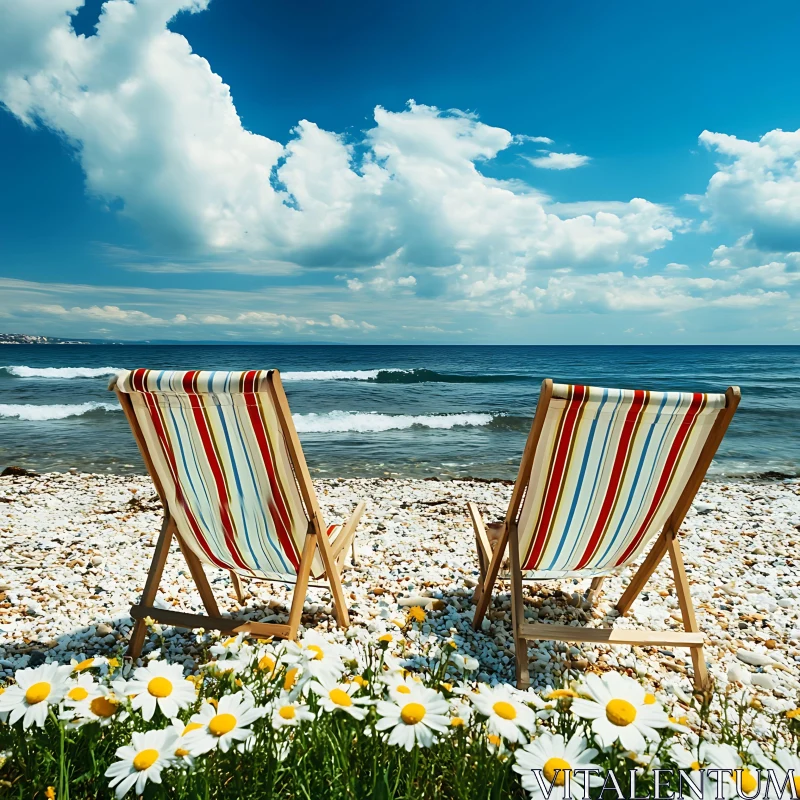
(63, 373)
(398, 376)
(373, 422)
(42, 413)
(331, 375)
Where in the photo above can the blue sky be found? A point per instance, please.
(372, 172)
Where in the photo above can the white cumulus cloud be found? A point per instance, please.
(560, 161)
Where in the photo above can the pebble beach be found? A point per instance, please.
(76, 549)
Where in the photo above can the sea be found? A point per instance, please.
(394, 411)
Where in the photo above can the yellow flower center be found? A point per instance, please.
(85, 664)
(504, 710)
(456, 722)
(793, 714)
(38, 692)
(266, 664)
(412, 713)
(160, 687)
(695, 766)
(229, 642)
(557, 694)
(494, 739)
(448, 687)
(403, 689)
(50, 793)
(749, 782)
(555, 770)
(290, 679)
(287, 712)
(222, 724)
(180, 752)
(387, 637)
(620, 712)
(317, 651)
(340, 697)
(362, 682)
(416, 613)
(192, 726)
(145, 759)
(103, 707)
(649, 699)
(796, 785)
(77, 693)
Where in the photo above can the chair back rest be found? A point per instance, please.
(219, 452)
(607, 472)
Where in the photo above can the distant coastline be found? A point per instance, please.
(26, 338)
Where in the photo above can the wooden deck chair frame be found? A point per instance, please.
(332, 554)
(491, 557)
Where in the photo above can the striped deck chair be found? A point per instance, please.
(225, 459)
(604, 473)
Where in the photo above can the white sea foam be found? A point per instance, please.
(41, 413)
(369, 422)
(64, 373)
(334, 375)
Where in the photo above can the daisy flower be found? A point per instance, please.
(506, 714)
(142, 761)
(724, 766)
(619, 712)
(160, 684)
(320, 657)
(553, 761)
(91, 662)
(400, 686)
(224, 725)
(35, 691)
(80, 693)
(785, 769)
(284, 712)
(335, 696)
(417, 718)
(230, 646)
(182, 729)
(268, 658)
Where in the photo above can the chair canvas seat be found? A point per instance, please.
(605, 473)
(224, 455)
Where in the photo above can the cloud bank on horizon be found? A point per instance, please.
(406, 210)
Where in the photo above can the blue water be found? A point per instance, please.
(393, 410)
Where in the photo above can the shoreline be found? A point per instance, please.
(77, 548)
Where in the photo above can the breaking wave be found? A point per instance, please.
(371, 422)
(398, 376)
(42, 413)
(63, 373)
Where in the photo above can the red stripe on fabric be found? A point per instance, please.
(276, 505)
(155, 416)
(212, 457)
(331, 529)
(557, 471)
(617, 473)
(666, 476)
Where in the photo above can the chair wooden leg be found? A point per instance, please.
(237, 588)
(301, 587)
(594, 589)
(701, 679)
(151, 586)
(199, 577)
(482, 545)
(523, 677)
(657, 552)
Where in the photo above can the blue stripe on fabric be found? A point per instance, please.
(636, 476)
(264, 530)
(576, 495)
(237, 481)
(600, 463)
(674, 418)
